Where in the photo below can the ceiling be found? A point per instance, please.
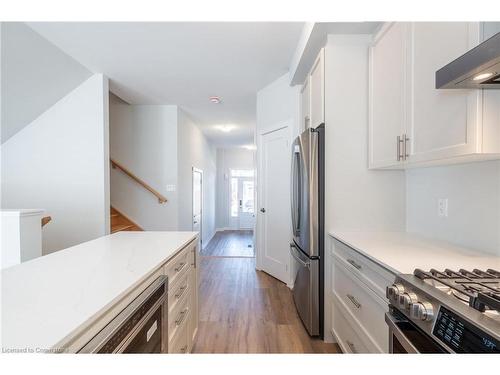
(185, 63)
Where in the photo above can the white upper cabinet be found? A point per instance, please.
(436, 126)
(305, 103)
(443, 123)
(317, 90)
(312, 96)
(387, 92)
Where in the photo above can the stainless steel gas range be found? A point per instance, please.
(445, 312)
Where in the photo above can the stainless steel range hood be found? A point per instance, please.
(477, 69)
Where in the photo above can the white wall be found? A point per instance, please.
(227, 159)
(59, 162)
(357, 199)
(194, 150)
(35, 75)
(277, 104)
(143, 138)
(473, 193)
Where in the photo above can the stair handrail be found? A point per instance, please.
(46, 220)
(161, 198)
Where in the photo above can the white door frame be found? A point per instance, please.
(200, 171)
(259, 225)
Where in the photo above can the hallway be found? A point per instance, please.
(230, 243)
(243, 310)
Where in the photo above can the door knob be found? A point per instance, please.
(262, 210)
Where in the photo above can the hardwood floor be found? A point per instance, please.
(247, 311)
(230, 243)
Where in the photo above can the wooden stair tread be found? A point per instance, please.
(120, 222)
(122, 227)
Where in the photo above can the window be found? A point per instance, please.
(247, 195)
(234, 197)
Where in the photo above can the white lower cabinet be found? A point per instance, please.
(182, 272)
(345, 332)
(358, 309)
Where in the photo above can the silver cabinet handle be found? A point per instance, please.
(351, 346)
(354, 264)
(399, 141)
(354, 301)
(181, 317)
(181, 291)
(180, 266)
(406, 155)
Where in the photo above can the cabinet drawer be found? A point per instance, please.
(364, 305)
(176, 267)
(348, 339)
(178, 317)
(179, 290)
(179, 344)
(376, 277)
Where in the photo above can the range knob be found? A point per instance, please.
(392, 292)
(422, 311)
(407, 299)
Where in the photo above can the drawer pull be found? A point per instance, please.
(181, 317)
(351, 346)
(354, 301)
(184, 349)
(180, 266)
(354, 264)
(181, 291)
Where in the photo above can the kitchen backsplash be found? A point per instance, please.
(472, 192)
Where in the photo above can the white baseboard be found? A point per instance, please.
(204, 244)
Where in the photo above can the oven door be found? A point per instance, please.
(139, 328)
(405, 337)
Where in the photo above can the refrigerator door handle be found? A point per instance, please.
(294, 252)
(295, 189)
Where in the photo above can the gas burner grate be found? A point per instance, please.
(481, 289)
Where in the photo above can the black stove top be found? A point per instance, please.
(479, 289)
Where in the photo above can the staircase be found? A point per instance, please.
(120, 222)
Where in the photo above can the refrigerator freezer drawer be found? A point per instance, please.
(305, 290)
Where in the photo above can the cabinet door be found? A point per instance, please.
(305, 102)
(193, 298)
(317, 87)
(443, 123)
(387, 95)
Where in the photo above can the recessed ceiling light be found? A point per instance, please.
(250, 147)
(215, 99)
(225, 128)
(482, 76)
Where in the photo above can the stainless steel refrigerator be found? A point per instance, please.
(307, 246)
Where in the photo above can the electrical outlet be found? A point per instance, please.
(443, 207)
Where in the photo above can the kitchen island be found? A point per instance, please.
(58, 302)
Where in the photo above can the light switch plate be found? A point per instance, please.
(443, 207)
(170, 187)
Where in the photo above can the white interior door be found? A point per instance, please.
(246, 203)
(198, 201)
(274, 204)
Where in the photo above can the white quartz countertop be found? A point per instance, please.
(401, 252)
(49, 299)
